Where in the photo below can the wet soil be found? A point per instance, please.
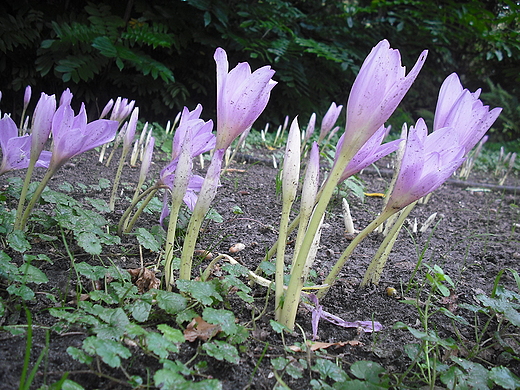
(476, 236)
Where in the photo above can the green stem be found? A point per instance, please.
(23, 195)
(36, 196)
(117, 179)
(374, 270)
(122, 222)
(206, 196)
(292, 296)
(334, 272)
(170, 242)
(127, 226)
(280, 258)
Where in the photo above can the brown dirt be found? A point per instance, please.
(475, 239)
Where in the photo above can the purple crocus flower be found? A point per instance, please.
(330, 118)
(73, 135)
(462, 110)
(41, 124)
(27, 97)
(122, 108)
(201, 139)
(241, 97)
(377, 91)
(369, 153)
(66, 98)
(428, 161)
(16, 150)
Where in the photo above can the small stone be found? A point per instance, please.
(237, 248)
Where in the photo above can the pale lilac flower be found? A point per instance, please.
(203, 140)
(428, 161)
(318, 313)
(377, 91)
(16, 150)
(73, 135)
(27, 97)
(107, 109)
(41, 123)
(128, 137)
(66, 98)
(122, 108)
(369, 153)
(464, 111)
(241, 97)
(310, 127)
(330, 118)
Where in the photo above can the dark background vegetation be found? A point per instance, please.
(159, 52)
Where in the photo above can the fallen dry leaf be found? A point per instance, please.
(315, 345)
(144, 279)
(200, 329)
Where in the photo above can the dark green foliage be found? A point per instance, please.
(160, 52)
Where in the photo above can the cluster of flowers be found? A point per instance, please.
(461, 120)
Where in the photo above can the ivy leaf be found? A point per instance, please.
(79, 355)
(18, 242)
(503, 377)
(147, 240)
(159, 345)
(224, 318)
(171, 303)
(328, 369)
(23, 292)
(90, 242)
(221, 350)
(171, 334)
(140, 310)
(204, 292)
(110, 351)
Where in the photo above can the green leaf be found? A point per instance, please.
(33, 274)
(221, 350)
(504, 378)
(110, 351)
(224, 318)
(367, 370)
(90, 242)
(79, 355)
(160, 345)
(278, 328)
(17, 241)
(100, 205)
(170, 302)
(477, 375)
(204, 292)
(23, 292)
(140, 310)
(171, 334)
(328, 369)
(147, 240)
(71, 385)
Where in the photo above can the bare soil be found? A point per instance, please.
(477, 236)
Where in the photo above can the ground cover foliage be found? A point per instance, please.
(81, 306)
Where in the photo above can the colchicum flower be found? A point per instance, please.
(377, 91)
(73, 135)
(330, 118)
(241, 97)
(428, 161)
(201, 139)
(16, 150)
(463, 111)
(369, 153)
(41, 124)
